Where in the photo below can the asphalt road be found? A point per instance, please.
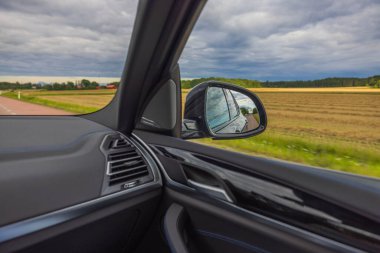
(10, 106)
(252, 122)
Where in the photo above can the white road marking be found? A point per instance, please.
(7, 109)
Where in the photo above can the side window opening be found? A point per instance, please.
(314, 67)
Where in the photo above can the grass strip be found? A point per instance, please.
(312, 151)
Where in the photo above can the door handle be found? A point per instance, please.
(212, 191)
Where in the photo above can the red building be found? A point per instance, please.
(111, 86)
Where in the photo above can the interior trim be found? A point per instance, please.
(298, 232)
(161, 167)
(282, 202)
(210, 190)
(28, 226)
(230, 240)
(228, 210)
(174, 221)
(336, 184)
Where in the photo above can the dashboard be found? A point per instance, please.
(54, 170)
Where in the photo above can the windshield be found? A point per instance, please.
(62, 57)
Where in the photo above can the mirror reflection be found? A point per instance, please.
(229, 111)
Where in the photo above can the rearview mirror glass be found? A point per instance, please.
(230, 112)
(222, 111)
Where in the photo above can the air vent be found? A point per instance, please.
(125, 166)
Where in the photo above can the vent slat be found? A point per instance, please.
(122, 153)
(116, 156)
(116, 170)
(128, 172)
(123, 160)
(128, 177)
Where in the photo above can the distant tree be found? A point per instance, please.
(327, 82)
(85, 83)
(48, 86)
(70, 85)
(374, 82)
(37, 86)
(26, 85)
(57, 86)
(244, 110)
(93, 85)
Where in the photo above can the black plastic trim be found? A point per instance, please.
(230, 240)
(268, 168)
(174, 221)
(25, 227)
(286, 203)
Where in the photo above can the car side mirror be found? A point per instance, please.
(222, 111)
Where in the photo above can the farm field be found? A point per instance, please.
(72, 101)
(336, 128)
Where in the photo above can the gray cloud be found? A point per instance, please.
(71, 37)
(266, 40)
(274, 39)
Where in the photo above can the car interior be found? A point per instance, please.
(126, 179)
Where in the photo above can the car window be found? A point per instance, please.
(62, 57)
(313, 64)
(233, 109)
(217, 113)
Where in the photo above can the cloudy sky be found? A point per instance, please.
(255, 39)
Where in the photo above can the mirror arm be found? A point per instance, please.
(190, 130)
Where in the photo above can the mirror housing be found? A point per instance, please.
(198, 123)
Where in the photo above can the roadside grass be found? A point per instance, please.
(89, 101)
(69, 107)
(342, 156)
(66, 92)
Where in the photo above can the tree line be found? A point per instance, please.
(373, 81)
(82, 84)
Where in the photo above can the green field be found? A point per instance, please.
(336, 128)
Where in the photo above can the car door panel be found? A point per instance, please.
(112, 225)
(215, 224)
(304, 210)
